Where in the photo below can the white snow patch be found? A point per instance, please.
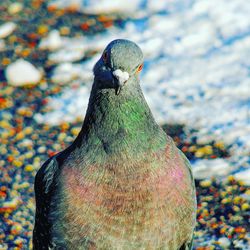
(73, 101)
(211, 168)
(243, 176)
(71, 49)
(98, 6)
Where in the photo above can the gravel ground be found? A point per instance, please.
(223, 204)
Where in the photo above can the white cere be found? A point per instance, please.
(122, 76)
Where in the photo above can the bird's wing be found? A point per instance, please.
(187, 245)
(44, 186)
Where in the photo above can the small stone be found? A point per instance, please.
(28, 130)
(10, 205)
(29, 155)
(15, 7)
(6, 29)
(224, 242)
(231, 178)
(18, 241)
(236, 208)
(64, 30)
(3, 150)
(199, 153)
(206, 183)
(245, 206)
(237, 199)
(21, 73)
(2, 45)
(29, 168)
(41, 149)
(6, 61)
(240, 230)
(20, 136)
(75, 131)
(10, 237)
(23, 185)
(42, 29)
(52, 42)
(16, 229)
(223, 230)
(17, 163)
(219, 144)
(26, 143)
(226, 200)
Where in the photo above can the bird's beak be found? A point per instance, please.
(122, 77)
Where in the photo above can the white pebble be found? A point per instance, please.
(15, 8)
(225, 242)
(6, 29)
(22, 72)
(2, 45)
(52, 42)
(41, 149)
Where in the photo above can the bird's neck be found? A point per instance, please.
(121, 122)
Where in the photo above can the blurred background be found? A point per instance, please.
(196, 79)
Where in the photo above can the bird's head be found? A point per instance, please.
(120, 64)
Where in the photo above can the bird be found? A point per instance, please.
(122, 183)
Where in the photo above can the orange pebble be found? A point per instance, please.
(108, 24)
(84, 26)
(240, 230)
(51, 8)
(10, 158)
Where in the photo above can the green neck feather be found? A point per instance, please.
(120, 123)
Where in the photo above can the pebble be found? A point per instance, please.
(42, 29)
(15, 7)
(64, 73)
(245, 206)
(52, 42)
(26, 144)
(224, 242)
(67, 54)
(206, 183)
(6, 29)
(2, 45)
(17, 163)
(22, 72)
(29, 168)
(41, 149)
(16, 229)
(10, 205)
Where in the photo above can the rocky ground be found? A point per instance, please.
(223, 204)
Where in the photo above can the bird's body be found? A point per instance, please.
(122, 184)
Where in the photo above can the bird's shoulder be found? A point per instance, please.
(46, 175)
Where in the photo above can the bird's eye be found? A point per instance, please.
(139, 68)
(105, 56)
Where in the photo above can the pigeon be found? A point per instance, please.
(122, 184)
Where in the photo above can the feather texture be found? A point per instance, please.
(122, 184)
